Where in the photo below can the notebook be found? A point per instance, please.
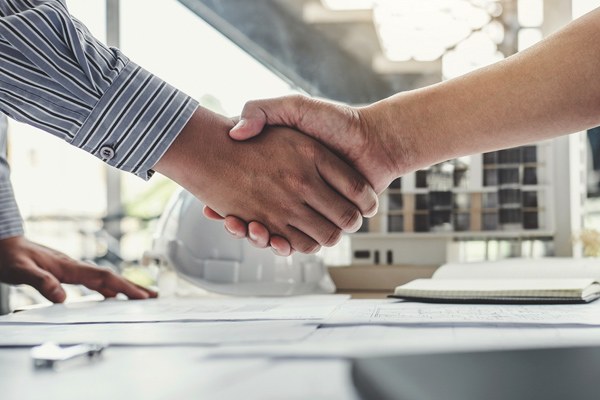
(521, 281)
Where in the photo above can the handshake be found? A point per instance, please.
(293, 173)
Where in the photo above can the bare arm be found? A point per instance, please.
(549, 90)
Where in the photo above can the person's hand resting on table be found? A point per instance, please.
(25, 262)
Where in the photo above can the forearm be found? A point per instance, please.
(56, 76)
(188, 159)
(548, 90)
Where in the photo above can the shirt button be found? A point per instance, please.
(107, 153)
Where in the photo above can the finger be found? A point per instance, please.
(258, 113)
(46, 283)
(324, 121)
(237, 227)
(300, 241)
(109, 294)
(115, 283)
(349, 183)
(280, 245)
(258, 235)
(211, 214)
(248, 128)
(319, 228)
(338, 210)
(99, 279)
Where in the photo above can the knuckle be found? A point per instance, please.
(309, 149)
(297, 99)
(104, 274)
(358, 187)
(250, 105)
(299, 182)
(373, 207)
(304, 105)
(307, 246)
(315, 249)
(333, 238)
(46, 282)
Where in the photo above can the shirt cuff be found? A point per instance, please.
(135, 121)
(11, 230)
(11, 223)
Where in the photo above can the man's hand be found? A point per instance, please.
(359, 135)
(292, 184)
(356, 134)
(24, 262)
(545, 91)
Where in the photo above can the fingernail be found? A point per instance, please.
(372, 212)
(237, 235)
(252, 236)
(241, 123)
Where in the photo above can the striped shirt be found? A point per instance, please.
(10, 218)
(56, 76)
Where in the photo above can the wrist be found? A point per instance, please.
(407, 122)
(187, 161)
(11, 241)
(390, 122)
(10, 246)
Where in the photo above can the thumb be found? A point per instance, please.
(247, 127)
(211, 214)
(258, 113)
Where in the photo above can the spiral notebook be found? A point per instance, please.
(542, 281)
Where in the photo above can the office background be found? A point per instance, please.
(483, 207)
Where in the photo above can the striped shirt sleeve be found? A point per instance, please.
(10, 218)
(56, 76)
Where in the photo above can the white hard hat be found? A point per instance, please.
(202, 252)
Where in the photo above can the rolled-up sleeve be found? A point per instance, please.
(11, 223)
(56, 76)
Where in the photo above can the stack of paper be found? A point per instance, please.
(170, 321)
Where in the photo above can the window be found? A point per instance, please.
(395, 202)
(396, 184)
(395, 223)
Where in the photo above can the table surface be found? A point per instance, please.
(174, 373)
(318, 367)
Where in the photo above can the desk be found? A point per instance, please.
(4, 296)
(175, 373)
(123, 373)
(316, 367)
(376, 281)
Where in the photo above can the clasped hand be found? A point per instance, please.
(297, 188)
(351, 132)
